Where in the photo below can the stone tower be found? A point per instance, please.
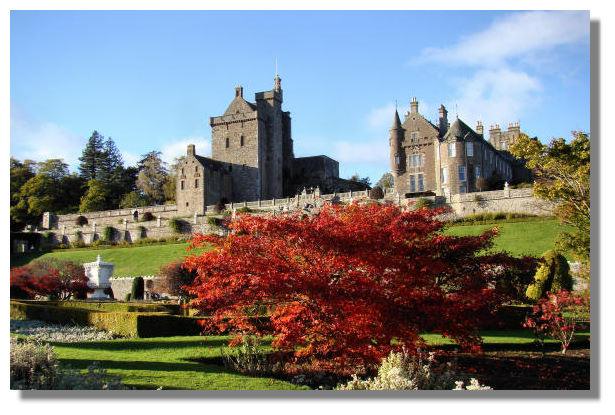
(397, 156)
(254, 138)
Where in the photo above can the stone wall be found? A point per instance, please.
(123, 285)
(507, 200)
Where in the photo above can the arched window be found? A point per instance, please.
(135, 215)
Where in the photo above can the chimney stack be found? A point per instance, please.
(414, 106)
(443, 120)
(239, 91)
(191, 151)
(479, 127)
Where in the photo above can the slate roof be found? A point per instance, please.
(461, 131)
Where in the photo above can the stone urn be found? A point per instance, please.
(98, 274)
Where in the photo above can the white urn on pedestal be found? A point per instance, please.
(98, 274)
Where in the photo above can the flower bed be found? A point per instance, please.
(42, 331)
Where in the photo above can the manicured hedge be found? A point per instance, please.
(140, 307)
(130, 324)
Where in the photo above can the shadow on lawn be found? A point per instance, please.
(129, 345)
(179, 366)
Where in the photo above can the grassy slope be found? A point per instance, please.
(532, 237)
(519, 238)
(138, 260)
(166, 362)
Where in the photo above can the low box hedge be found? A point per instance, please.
(130, 324)
(140, 307)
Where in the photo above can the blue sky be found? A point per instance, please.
(151, 80)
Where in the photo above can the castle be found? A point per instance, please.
(447, 159)
(252, 158)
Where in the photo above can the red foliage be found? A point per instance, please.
(50, 278)
(349, 284)
(548, 317)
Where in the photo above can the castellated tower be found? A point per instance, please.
(254, 138)
(397, 156)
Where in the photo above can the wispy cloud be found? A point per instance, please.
(177, 148)
(381, 117)
(504, 75)
(43, 140)
(513, 36)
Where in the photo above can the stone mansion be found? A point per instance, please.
(252, 158)
(449, 158)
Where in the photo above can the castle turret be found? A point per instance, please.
(277, 83)
(395, 140)
(443, 120)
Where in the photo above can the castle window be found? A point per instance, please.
(182, 185)
(414, 137)
(187, 204)
(451, 150)
(416, 160)
(227, 142)
(412, 184)
(462, 173)
(469, 149)
(182, 170)
(241, 141)
(419, 180)
(504, 145)
(397, 160)
(477, 171)
(196, 183)
(196, 169)
(462, 188)
(444, 175)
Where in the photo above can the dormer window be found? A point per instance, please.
(469, 149)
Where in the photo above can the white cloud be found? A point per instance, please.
(515, 35)
(496, 96)
(381, 117)
(177, 148)
(43, 140)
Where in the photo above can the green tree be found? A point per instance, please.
(43, 192)
(95, 197)
(133, 199)
(562, 176)
(152, 176)
(386, 181)
(363, 180)
(93, 157)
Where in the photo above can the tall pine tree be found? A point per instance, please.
(92, 158)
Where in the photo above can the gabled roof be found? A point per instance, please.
(209, 163)
(461, 132)
(239, 105)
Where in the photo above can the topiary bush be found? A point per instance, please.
(138, 288)
(376, 193)
(177, 225)
(423, 202)
(553, 275)
(213, 221)
(109, 233)
(147, 216)
(244, 209)
(81, 220)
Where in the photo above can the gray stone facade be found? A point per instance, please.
(449, 159)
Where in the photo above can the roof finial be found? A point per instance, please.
(276, 66)
(456, 111)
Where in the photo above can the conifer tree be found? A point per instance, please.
(92, 158)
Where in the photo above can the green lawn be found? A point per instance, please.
(181, 362)
(167, 362)
(532, 237)
(129, 261)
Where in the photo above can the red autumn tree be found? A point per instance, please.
(347, 285)
(52, 278)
